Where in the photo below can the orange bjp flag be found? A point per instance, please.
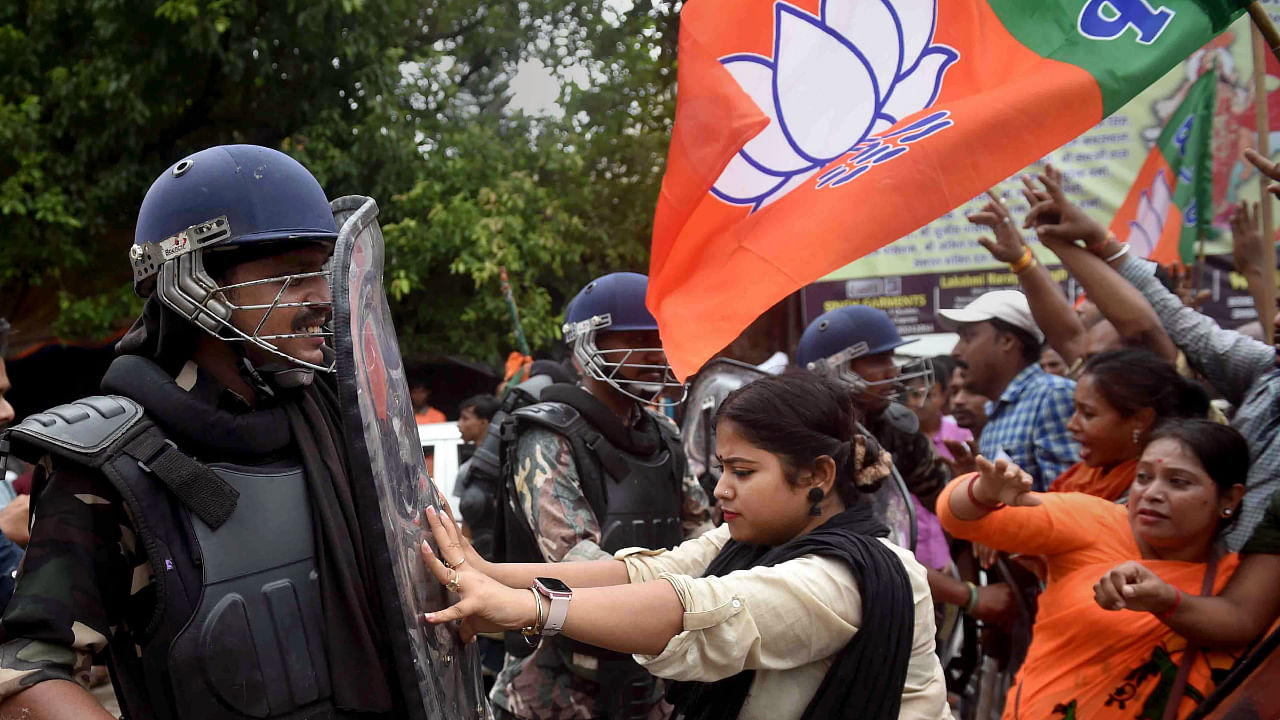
(811, 132)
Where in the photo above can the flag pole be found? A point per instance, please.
(1262, 21)
(1261, 111)
(521, 343)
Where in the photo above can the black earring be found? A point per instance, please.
(815, 497)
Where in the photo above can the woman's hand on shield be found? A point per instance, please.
(485, 604)
(473, 558)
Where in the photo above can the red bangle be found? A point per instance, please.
(974, 498)
(1177, 600)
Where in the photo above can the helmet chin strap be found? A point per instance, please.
(273, 376)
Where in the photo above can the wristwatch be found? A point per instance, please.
(559, 594)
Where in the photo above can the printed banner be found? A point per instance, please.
(1100, 166)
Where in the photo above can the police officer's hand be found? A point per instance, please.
(486, 605)
(1132, 586)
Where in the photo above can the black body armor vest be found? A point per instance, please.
(637, 500)
(237, 630)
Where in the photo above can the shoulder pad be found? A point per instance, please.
(79, 430)
(556, 416)
(901, 418)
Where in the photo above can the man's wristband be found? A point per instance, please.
(1095, 247)
(972, 605)
(1024, 262)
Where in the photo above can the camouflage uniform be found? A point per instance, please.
(84, 577)
(922, 469)
(545, 685)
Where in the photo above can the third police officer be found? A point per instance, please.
(589, 470)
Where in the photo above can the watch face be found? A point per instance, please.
(554, 585)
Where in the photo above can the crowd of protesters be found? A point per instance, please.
(1085, 488)
(1066, 468)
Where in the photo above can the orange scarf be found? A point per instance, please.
(1109, 485)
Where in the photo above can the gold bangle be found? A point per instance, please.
(535, 629)
(1023, 262)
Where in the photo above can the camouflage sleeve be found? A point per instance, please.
(80, 569)
(923, 470)
(695, 510)
(550, 495)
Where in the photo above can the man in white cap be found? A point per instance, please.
(1027, 418)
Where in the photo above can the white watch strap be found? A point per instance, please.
(556, 615)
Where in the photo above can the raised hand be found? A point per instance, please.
(962, 457)
(1184, 287)
(485, 604)
(1267, 168)
(1246, 238)
(1008, 245)
(1132, 586)
(1003, 482)
(1057, 218)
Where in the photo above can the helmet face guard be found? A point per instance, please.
(837, 367)
(607, 365)
(175, 266)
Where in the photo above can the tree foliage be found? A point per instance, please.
(403, 101)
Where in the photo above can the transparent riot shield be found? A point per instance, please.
(710, 386)
(440, 676)
(892, 504)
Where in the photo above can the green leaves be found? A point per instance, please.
(403, 101)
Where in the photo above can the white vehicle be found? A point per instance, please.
(440, 443)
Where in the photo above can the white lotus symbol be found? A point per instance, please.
(834, 82)
(1153, 208)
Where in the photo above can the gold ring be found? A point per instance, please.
(452, 565)
(452, 585)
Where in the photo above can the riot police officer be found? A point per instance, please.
(589, 470)
(854, 345)
(197, 521)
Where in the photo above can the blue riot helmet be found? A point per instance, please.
(225, 198)
(837, 337)
(615, 303)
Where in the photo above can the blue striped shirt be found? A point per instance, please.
(1029, 422)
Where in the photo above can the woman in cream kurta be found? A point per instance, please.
(785, 622)
(775, 593)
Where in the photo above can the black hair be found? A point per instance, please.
(483, 406)
(944, 366)
(800, 416)
(1030, 346)
(1132, 379)
(5, 327)
(1221, 450)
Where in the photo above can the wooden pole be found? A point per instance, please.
(1262, 21)
(1268, 258)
